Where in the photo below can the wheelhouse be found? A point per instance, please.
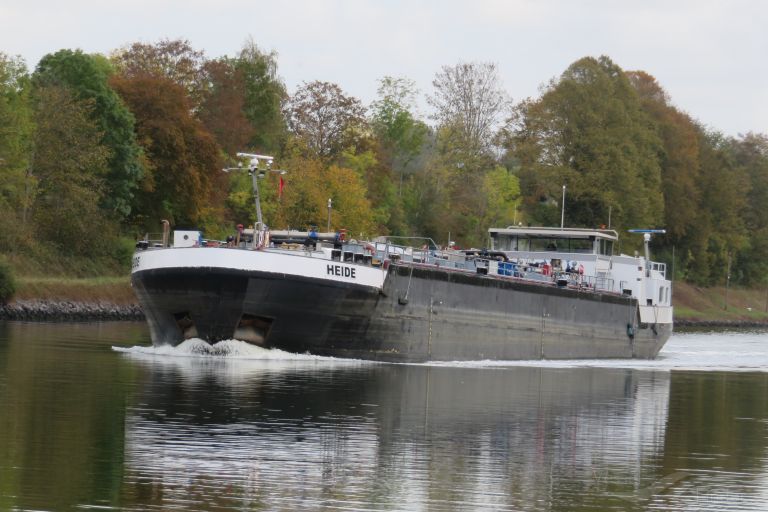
(540, 239)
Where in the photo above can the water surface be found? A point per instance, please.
(91, 418)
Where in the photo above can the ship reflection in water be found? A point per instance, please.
(89, 419)
(309, 433)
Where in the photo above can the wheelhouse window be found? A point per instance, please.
(544, 244)
(534, 243)
(606, 247)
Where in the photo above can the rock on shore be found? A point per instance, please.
(46, 310)
(721, 324)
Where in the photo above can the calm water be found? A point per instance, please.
(91, 420)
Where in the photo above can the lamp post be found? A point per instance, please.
(256, 171)
(330, 205)
(562, 211)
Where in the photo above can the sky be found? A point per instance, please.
(710, 56)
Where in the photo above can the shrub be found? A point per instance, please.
(7, 283)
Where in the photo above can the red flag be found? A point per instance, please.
(280, 187)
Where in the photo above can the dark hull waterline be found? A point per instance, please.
(420, 314)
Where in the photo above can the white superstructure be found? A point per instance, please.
(587, 256)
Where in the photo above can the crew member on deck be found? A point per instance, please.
(311, 240)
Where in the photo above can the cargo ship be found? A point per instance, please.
(534, 293)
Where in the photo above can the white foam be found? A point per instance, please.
(231, 349)
(714, 351)
(711, 351)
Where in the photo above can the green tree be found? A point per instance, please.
(264, 96)
(501, 190)
(750, 154)
(16, 131)
(87, 77)
(679, 158)
(588, 131)
(427, 201)
(7, 282)
(70, 167)
(379, 188)
(469, 101)
(402, 136)
(720, 230)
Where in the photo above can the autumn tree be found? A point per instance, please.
(351, 208)
(223, 107)
(182, 183)
(326, 118)
(174, 59)
(304, 201)
(310, 182)
(87, 77)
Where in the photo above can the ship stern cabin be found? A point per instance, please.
(589, 254)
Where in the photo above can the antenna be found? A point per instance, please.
(647, 239)
(255, 160)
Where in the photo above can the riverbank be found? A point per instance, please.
(111, 298)
(72, 299)
(69, 311)
(717, 307)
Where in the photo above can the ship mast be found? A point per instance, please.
(256, 171)
(647, 241)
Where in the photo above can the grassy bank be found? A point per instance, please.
(692, 303)
(695, 303)
(113, 290)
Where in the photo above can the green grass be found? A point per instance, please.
(116, 290)
(708, 304)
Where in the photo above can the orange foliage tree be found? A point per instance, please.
(184, 179)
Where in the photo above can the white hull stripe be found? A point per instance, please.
(259, 261)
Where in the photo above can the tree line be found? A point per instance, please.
(95, 150)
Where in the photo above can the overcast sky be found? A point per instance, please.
(710, 56)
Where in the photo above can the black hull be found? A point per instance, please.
(421, 314)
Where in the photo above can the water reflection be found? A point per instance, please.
(84, 426)
(314, 434)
